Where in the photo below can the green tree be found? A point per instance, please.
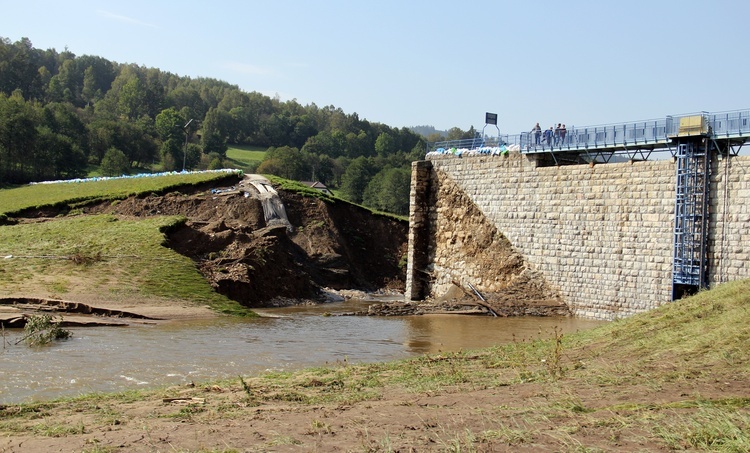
(394, 192)
(19, 68)
(18, 138)
(355, 179)
(358, 144)
(285, 161)
(132, 97)
(303, 129)
(456, 133)
(169, 124)
(275, 131)
(323, 143)
(63, 119)
(172, 155)
(115, 163)
(89, 93)
(136, 140)
(371, 195)
(321, 167)
(55, 90)
(216, 126)
(188, 97)
(194, 157)
(56, 156)
(212, 161)
(119, 104)
(385, 144)
(389, 191)
(214, 143)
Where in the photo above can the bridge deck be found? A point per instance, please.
(732, 128)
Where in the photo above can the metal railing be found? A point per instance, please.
(654, 134)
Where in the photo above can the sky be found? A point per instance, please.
(440, 63)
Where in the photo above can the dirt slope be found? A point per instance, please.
(330, 245)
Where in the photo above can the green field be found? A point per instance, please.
(42, 195)
(245, 158)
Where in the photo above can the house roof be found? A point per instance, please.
(314, 184)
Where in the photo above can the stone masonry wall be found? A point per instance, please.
(420, 200)
(729, 222)
(601, 236)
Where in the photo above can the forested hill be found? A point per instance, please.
(63, 115)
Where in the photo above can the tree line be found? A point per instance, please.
(62, 115)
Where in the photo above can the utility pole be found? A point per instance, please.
(184, 154)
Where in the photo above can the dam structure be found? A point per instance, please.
(613, 220)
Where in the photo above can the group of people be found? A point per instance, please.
(554, 136)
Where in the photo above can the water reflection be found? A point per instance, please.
(446, 333)
(112, 359)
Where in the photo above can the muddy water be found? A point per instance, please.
(140, 356)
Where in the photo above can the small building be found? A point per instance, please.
(317, 185)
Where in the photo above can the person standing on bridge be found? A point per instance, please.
(563, 133)
(557, 134)
(537, 131)
(548, 136)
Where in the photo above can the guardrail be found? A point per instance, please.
(653, 134)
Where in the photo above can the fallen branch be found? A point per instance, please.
(475, 295)
(482, 301)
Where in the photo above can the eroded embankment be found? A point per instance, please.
(15, 312)
(329, 245)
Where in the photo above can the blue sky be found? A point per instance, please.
(439, 63)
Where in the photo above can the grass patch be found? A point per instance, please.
(710, 430)
(104, 255)
(246, 158)
(33, 196)
(298, 187)
(678, 341)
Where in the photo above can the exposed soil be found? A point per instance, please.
(328, 246)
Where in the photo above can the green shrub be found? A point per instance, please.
(41, 330)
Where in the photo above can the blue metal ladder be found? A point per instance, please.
(691, 217)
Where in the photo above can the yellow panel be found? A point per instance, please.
(692, 125)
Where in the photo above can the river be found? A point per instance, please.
(108, 359)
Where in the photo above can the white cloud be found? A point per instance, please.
(124, 19)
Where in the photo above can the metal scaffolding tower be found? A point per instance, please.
(691, 217)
